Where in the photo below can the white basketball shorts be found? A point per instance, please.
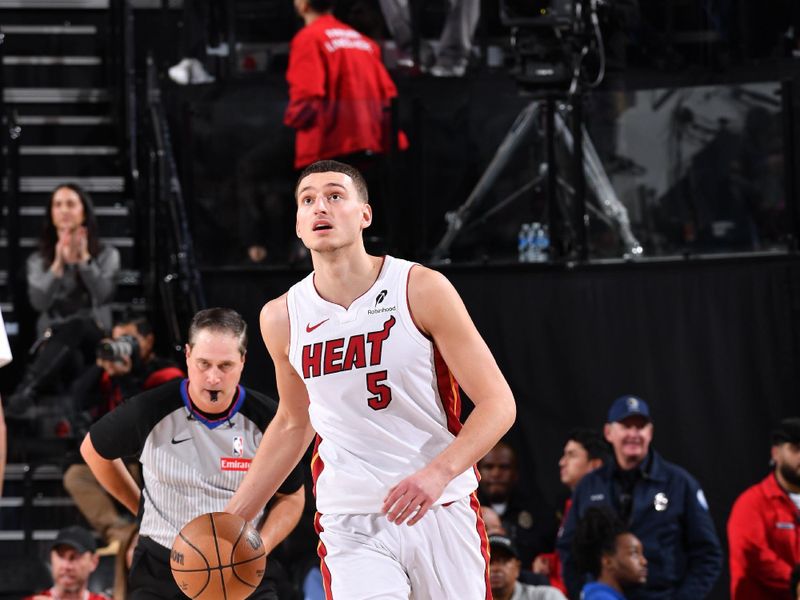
(444, 556)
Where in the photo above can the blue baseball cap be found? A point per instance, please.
(628, 406)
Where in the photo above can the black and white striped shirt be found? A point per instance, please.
(192, 463)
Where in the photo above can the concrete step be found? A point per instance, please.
(45, 95)
(90, 184)
(38, 502)
(50, 61)
(65, 120)
(68, 151)
(55, 4)
(34, 33)
(66, 29)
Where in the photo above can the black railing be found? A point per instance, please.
(176, 280)
(124, 77)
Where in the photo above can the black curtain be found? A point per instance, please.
(713, 345)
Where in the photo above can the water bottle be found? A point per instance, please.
(543, 243)
(533, 242)
(523, 241)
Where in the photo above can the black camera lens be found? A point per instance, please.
(118, 349)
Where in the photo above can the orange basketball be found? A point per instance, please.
(218, 555)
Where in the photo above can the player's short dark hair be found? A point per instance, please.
(592, 441)
(334, 166)
(220, 319)
(596, 536)
(321, 6)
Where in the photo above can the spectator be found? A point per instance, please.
(455, 43)
(585, 451)
(661, 504)
(504, 570)
(611, 554)
(126, 366)
(197, 437)
(71, 281)
(339, 90)
(492, 522)
(763, 541)
(73, 558)
(526, 524)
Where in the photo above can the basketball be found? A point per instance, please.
(218, 555)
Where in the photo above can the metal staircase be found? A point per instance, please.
(63, 120)
(60, 92)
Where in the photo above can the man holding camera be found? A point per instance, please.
(126, 366)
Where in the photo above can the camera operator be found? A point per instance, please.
(126, 365)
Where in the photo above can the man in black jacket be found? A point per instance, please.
(662, 504)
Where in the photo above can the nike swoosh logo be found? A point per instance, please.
(310, 327)
(174, 441)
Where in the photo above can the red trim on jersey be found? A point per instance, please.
(317, 464)
(447, 387)
(481, 528)
(408, 304)
(322, 552)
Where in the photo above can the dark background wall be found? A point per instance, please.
(712, 345)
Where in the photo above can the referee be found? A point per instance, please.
(196, 438)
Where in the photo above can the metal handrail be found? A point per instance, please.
(167, 194)
(130, 115)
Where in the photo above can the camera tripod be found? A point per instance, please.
(560, 194)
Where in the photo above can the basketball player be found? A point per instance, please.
(367, 352)
(196, 437)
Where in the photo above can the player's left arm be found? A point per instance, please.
(439, 312)
(283, 515)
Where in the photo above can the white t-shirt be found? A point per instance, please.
(796, 499)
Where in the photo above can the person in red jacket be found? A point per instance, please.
(763, 540)
(339, 90)
(73, 559)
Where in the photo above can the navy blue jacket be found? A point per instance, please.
(669, 516)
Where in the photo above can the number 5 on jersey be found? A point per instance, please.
(383, 393)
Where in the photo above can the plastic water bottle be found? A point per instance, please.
(523, 241)
(543, 243)
(533, 242)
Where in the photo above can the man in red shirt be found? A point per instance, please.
(339, 90)
(73, 559)
(763, 540)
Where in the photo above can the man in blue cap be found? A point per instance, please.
(660, 502)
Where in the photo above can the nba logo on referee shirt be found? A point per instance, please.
(238, 445)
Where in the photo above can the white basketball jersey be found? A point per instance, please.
(382, 400)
